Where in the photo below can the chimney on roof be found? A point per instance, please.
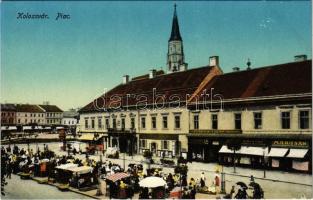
(236, 69)
(152, 73)
(299, 58)
(125, 79)
(249, 64)
(213, 61)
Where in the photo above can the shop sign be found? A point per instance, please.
(252, 142)
(290, 143)
(215, 143)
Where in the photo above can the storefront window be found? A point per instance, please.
(214, 121)
(196, 122)
(237, 120)
(143, 143)
(177, 121)
(285, 120)
(257, 120)
(304, 119)
(164, 144)
(153, 120)
(143, 122)
(164, 121)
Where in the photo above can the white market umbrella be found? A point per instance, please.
(152, 182)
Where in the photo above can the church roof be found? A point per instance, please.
(175, 34)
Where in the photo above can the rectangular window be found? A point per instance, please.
(107, 123)
(257, 120)
(19, 121)
(237, 120)
(196, 121)
(25, 120)
(153, 121)
(304, 119)
(114, 123)
(99, 123)
(164, 144)
(214, 121)
(31, 115)
(177, 121)
(86, 123)
(92, 123)
(143, 143)
(164, 119)
(132, 122)
(285, 120)
(143, 122)
(123, 123)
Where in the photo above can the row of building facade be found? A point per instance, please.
(203, 114)
(19, 117)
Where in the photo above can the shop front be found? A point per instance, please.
(204, 149)
(293, 155)
(282, 152)
(124, 140)
(161, 145)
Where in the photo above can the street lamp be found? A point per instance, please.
(223, 186)
(264, 165)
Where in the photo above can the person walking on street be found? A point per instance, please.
(217, 183)
(202, 179)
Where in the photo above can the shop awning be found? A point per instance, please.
(117, 176)
(12, 128)
(67, 166)
(81, 170)
(3, 128)
(27, 128)
(59, 127)
(277, 152)
(90, 137)
(258, 151)
(39, 127)
(47, 128)
(224, 149)
(297, 153)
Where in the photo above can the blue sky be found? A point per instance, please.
(70, 62)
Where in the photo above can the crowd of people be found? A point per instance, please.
(27, 161)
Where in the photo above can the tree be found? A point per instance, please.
(234, 144)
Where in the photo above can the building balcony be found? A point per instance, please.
(215, 131)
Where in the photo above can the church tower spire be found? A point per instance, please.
(175, 55)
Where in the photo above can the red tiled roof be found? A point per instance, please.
(146, 76)
(28, 108)
(179, 84)
(8, 107)
(51, 108)
(283, 79)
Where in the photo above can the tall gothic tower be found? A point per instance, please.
(175, 54)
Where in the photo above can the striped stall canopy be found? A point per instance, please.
(117, 176)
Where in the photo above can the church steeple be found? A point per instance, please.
(175, 35)
(175, 55)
